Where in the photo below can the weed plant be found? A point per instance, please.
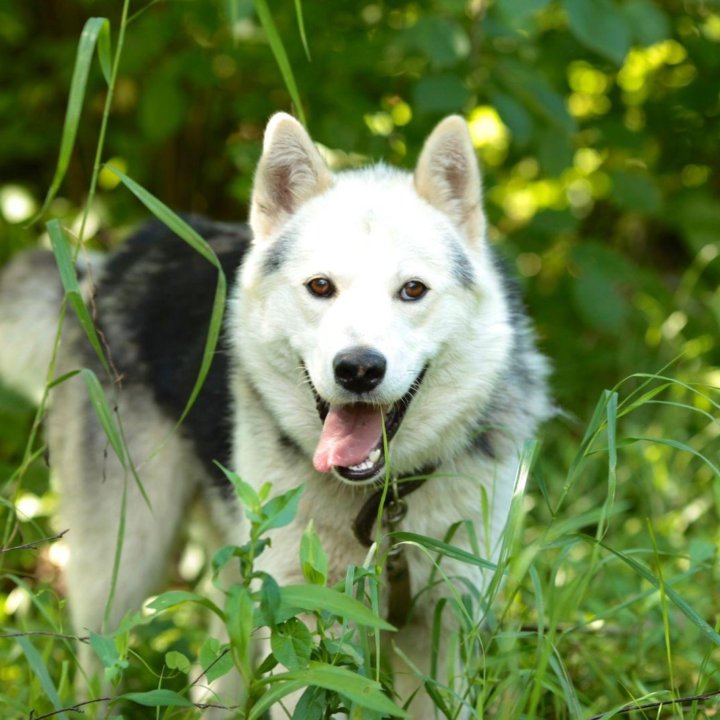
(603, 602)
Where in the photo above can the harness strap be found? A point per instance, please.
(396, 566)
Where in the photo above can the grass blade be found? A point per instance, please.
(594, 426)
(676, 599)
(69, 280)
(265, 17)
(677, 445)
(450, 550)
(163, 213)
(104, 414)
(96, 30)
(177, 597)
(39, 668)
(301, 27)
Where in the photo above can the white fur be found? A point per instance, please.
(369, 231)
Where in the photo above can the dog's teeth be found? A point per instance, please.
(369, 462)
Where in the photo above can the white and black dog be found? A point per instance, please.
(362, 300)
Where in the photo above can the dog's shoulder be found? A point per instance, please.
(153, 302)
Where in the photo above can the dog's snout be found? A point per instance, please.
(359, 369)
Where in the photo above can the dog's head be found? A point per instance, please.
(363, 278)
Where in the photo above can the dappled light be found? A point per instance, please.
(596, 124)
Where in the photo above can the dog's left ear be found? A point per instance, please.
(448, 177)
(289, 173)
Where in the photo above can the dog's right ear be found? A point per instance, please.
(289, 173)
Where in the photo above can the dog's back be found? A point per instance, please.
(30, 296)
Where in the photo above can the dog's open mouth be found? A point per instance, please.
(351, 442)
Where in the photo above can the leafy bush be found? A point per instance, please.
(596, 122)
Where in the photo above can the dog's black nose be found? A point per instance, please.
(359, 369)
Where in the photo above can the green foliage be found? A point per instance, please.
(596, 122)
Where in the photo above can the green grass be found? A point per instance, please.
(605, 602)
(608, 599)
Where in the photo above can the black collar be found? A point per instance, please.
(365, 520)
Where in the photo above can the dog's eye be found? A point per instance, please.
(320, 287)
(413, 290)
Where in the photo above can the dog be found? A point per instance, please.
(370, 330)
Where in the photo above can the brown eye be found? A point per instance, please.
(320, 287)
(413, 290)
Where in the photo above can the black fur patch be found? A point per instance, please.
(154, 304)
(277, 253)
(461, 267)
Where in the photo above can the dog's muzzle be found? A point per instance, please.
(355, 435)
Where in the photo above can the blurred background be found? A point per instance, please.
(597, 125)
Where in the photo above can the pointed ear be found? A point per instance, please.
(289, 173)
(447, 176)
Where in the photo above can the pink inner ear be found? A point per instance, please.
(349, 435)
(279, 179)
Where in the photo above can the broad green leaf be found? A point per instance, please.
(223, 556)
(437, 545)
(270, 599)
(518, 11)
(272, 696)
(94, 28)
(343, 651)
(355, 687)
(177, 661)
(555, 151)
(312, 704)
(636, 191)
(442, 40)
(529, 86)
(313, 557)
(215, 660)
(130, 621)
(600, 26)
(292, 644)
(440, 94)
(104, 647)
(157, 698)
(312, 598)
(239, 610)
(280, 510)
(514, 115)
(248, 497)
(597, 287)
(647, 21)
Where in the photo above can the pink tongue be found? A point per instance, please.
(349, 435)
